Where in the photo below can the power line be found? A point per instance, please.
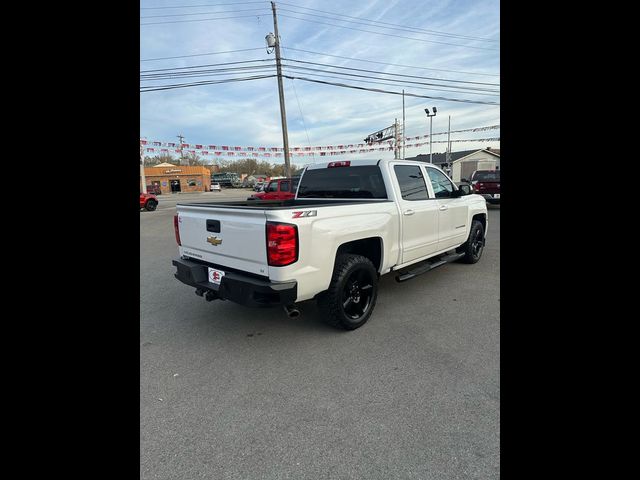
(207, 65)
(197, 20)
(201, 5)
(405, 28)
(390, 34)
(201, 54)
(395, 64)
(398, 81)
(387, 73)
(153, 88)
(390, 92)
(169, 76)
(400, 85)
(204, 13)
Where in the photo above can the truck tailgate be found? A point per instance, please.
(234, 238)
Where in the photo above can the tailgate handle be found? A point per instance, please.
(213, 226)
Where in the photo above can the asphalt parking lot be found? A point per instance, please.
(229, 392)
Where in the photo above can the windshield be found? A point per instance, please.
(343, 182)
(487, 176)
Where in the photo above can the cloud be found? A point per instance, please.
(247, 113)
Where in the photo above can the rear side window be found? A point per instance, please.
(284, 186)
(363, 181)
(411, 181)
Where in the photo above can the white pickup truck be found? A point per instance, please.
(350, 222)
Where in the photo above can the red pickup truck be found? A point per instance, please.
(280, 189)
(487, 184)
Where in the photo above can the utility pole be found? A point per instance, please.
(404, 130)
(143, 180)
(181, 138)
(283, 112)
(396, 143)
(449, 146)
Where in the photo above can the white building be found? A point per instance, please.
(486, 159)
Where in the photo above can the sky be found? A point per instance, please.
(248, 113)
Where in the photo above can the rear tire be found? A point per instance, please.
(352, 293)
(151, 205)
(474, 245)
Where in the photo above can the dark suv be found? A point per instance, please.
(487, 184)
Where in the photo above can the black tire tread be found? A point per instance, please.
(329, 301)
(466, 247)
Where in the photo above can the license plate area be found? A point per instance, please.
(497, 195)
(215, 276)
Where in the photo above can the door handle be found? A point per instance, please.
(409, 212)
(443, 208)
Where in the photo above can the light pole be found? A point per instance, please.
(431, 115)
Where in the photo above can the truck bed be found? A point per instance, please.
(280, 204)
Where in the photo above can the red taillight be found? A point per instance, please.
(282, 244)
(346, 163)
(177, 230)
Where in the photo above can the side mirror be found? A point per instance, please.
(465, 189)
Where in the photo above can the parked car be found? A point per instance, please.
(215, 187)
(280, 189)
(154, 189)
(487, 184)
(148, 201)
(349, 223)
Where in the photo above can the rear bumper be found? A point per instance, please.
(238, 288)
(489, 197)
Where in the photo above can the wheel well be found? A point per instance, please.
(482, 218)
(367, 247)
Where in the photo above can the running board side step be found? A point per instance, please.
(427, 266)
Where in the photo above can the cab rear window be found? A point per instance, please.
(487, 176)
(363, 181)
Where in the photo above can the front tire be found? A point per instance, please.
(151, 205)
(352, 293)
(474, 245)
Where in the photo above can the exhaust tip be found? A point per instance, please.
(291, 311)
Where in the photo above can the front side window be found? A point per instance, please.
(273, 187)
(411, 181)
(442, 186)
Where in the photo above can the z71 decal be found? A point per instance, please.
(306, 213)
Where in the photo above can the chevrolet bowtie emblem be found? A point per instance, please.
(214, 240)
